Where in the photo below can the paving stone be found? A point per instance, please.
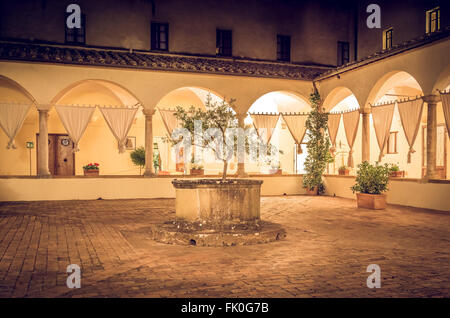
(328, 247)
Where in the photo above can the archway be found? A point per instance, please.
(397, 86)
(171, 160)
(340, 100)
(276, 102)
(98, 144)
(20, 161)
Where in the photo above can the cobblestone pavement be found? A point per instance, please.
(328, 247)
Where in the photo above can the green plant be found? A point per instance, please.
(394, 167)
(218, 116)
(138, 157)
(343, 168)
(372, 179)
(196, 166)
(92, 166)
(318, 145)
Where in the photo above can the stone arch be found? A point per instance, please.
(281, 101)
(17, 91)
(337, 95)
(117, 91)
(390, 80)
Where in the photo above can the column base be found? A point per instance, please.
(44, 176)
(149, 174)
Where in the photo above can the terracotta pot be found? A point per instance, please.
(275, 171)
(197, 172)
(345, 172)
(397, 174)
(314, 191)
(91, 172)
(371, 201)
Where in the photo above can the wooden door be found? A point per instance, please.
(64, 156)
(61, 159)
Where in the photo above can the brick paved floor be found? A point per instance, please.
(329, 245)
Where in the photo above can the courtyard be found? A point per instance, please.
(328, 247)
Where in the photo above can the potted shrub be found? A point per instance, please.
(275, 168)
(396, 172)
(318, 147)
(371, 183)
(197, 169)
(91, 169)
(343, 170)
(138, 158)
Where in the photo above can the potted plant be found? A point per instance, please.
(138, 158)
(318, 147)
(197, 169)
(371, 182)
(275, 168)
(343, 170)
(91, 169)
(395, 171)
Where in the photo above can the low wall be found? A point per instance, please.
(81, 188)
(409, 192)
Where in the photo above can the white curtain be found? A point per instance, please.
(382, 120)
(446, 108)
(265, 123)
(169, 120)
(297, 128)
(12, 117)
(119, 121)
(411, 114)
(75, 120)
(351, 123)
(333, 126)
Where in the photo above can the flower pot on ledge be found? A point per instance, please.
(397, 174)
(91, 172)
(275, 171)
(197, 172)
(314, 191)
(371, 201)
(345, 172)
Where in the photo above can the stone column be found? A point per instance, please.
(149, 170)
(431, 101)
(42, 154)
(241, 155)
(365, 143)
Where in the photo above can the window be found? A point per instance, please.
(76, 35)
(160, 36)
(343, 55)
(223, 43)
(392, 142)
(433, 19)
(283, 48)
(387, 39)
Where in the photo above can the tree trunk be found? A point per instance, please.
(225, 166)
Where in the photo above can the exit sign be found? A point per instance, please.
(30, 144)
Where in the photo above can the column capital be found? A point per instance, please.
(148, 111)
(44, 107)
(431, 99)
(365, 111)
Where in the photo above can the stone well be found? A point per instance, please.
(217, 202)
(212, 212)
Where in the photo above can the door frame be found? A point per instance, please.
(54, 153)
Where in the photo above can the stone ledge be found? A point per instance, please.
(214, 183)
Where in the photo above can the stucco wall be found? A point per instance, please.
(403, 192)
